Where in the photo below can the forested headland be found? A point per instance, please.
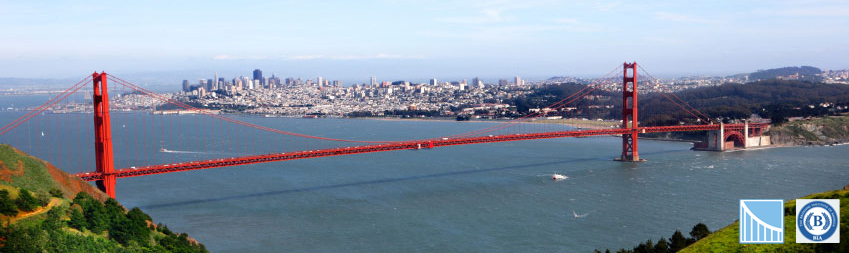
(43, 209)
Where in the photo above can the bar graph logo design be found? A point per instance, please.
(761, 221)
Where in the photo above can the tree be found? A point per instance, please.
(56, 193)
(24, 239)
(661, 246)
(54, 219)
(700, 231)
(677, 241)
(132, 227)
(77, 221)
(113, 210)
(7, 205)
(646, 247)
(42, 199)
(94, 212)
(26, 201)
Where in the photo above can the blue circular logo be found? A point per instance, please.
(817, 221)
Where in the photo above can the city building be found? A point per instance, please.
(257, 74)
(186, 85)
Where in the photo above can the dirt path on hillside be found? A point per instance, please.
(53, 202)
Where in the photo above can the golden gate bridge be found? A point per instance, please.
(169, 128)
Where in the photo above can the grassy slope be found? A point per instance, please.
(39, 176)
(727, 239)
(34, 177)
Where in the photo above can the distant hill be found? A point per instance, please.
(775, 99)
(806, 73)
(35, 83)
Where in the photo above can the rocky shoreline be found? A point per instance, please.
(826, 131)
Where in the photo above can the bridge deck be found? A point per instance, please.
(434, 143)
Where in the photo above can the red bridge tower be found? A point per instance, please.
(629, 114)
(103, 135)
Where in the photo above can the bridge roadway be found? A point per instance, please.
(392, 146)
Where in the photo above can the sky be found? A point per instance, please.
(417, 39)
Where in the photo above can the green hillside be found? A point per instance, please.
(21, 170)
(43, 209)
(727, 239)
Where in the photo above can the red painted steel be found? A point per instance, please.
(103, 135)
(444, 142)
(629, 114)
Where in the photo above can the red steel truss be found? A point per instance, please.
(445, 142)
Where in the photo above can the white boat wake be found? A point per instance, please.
(579, 215)
(556, 176)
(164, 150)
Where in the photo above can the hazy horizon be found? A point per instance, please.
(417, 39)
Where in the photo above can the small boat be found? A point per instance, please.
(556, 176)
(42, 133)
(163, 150)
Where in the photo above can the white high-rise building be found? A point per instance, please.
(215, 81)
(519, 81)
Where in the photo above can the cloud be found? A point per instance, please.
(566, 20)
(666, 40)
(239, 57)
(489, 15)
(317, 57)
(820, 11)
(510, 33)
(607, 6)
(666, 16)
(574, 25)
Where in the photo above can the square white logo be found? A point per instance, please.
(761, 221)
(817, 221)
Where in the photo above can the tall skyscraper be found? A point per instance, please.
(519, 81)
(257, 74)
(215, 81)
(187, 86)
(476, 82)
(433, 81)
(373, 81)
(320, 81)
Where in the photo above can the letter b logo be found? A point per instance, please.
(817, 220)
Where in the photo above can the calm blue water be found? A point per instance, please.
(482, 198)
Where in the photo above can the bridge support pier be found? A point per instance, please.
(103, 135)
(630, 151)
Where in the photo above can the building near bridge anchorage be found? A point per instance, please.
(729, 138)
